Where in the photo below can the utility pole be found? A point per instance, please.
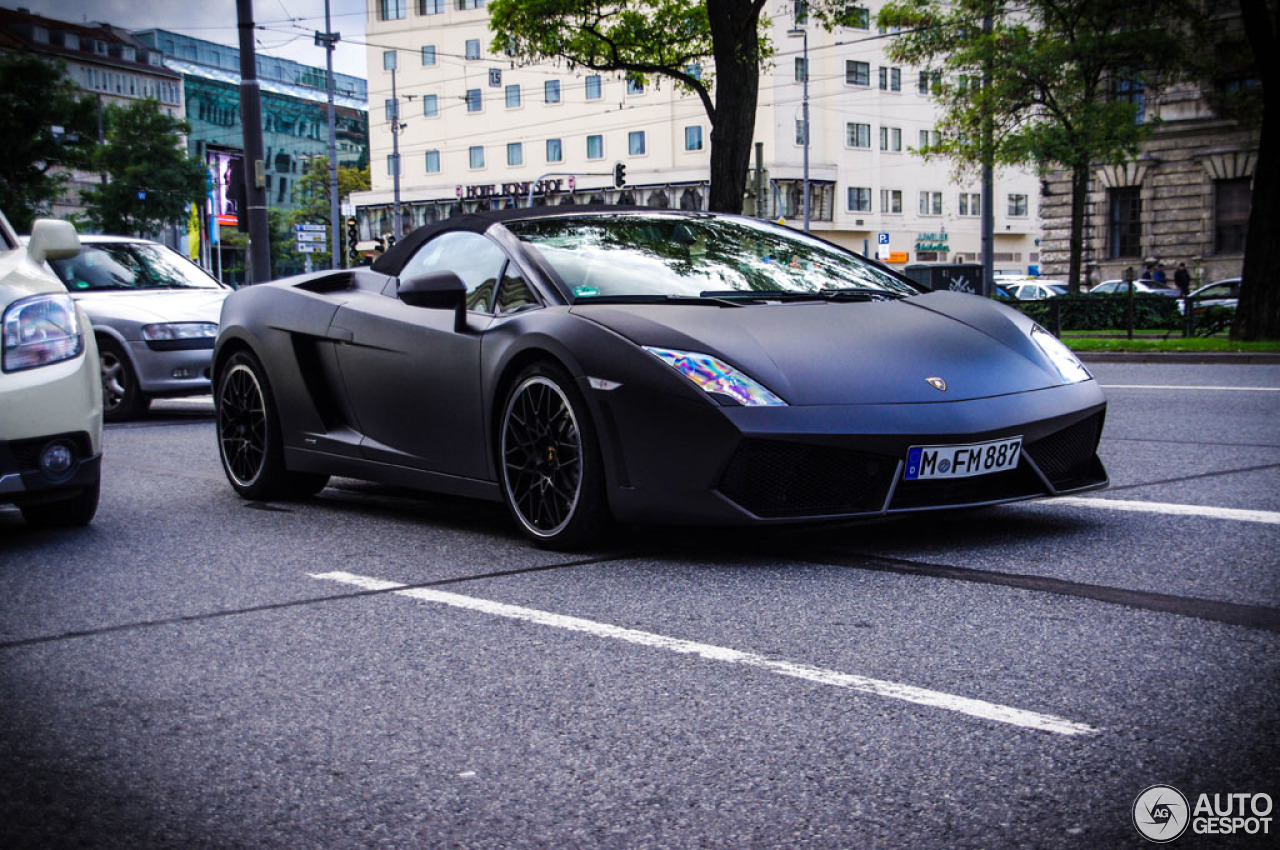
(988, 177)
(255, 194)
(390, 60)
(328, 39)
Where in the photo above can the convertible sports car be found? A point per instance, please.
(594, 364)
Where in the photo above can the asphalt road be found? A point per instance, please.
(376, 669)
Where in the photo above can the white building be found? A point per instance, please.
(476, 128)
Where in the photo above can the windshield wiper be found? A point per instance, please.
(702, 298)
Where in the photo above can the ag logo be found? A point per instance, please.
(1161, 814)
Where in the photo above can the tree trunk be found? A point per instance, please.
(1079, 196)
(1258, 314)
(735, 35)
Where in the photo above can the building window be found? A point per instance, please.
(428, 54)
(890, 200)
(694, 70)
(856, 17)
(634, 85)
(551, 91)
(593, 87)
(890, 79)
(890, 138)
(1131, 89)
(71, 41)
(555, 152)
(388, 60)
(393, 164)
(635, 143)
(430, 7)
(40, 35)
(464, 5)
(927, 138)
(515, 153)
(930, 203)
(800, 134)
(857, 73)
(476, 153)
(433, 162)
(800, 74)
(857, 135)
(1231, 202)
(970, 203)
(595, 147)
(473, 48)
(927, 81)
(391, 10)
(392, 109)
(513, 97)
(693, 138)
(1017, 206)
(859, 198)
(474, 101)
(430, 105)
(1124, 222)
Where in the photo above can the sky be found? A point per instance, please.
(286, 28)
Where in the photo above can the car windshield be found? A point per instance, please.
(130, 265)
(656, 257)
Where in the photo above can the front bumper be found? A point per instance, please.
(173, 368)
(686, 462)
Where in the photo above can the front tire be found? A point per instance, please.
(122, 397)
(549, 458)
(249, 438)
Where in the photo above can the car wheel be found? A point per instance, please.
(122, 398)
(65, 513)
(552, 476)
(249, 438)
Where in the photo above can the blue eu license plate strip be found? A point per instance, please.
(964, 461)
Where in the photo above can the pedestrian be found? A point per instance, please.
(1146, 272)
(1182, 278)
(1159, 276)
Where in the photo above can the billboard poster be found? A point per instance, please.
(227, 168)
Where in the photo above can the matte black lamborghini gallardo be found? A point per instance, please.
(588, 365)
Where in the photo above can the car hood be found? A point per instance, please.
(158, 305)
(19, 277)
(863, 353)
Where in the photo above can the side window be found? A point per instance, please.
(514, 293)
(470, 256)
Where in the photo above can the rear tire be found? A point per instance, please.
(75, 511)
(122, 398)
(250, 443)
(549, 460)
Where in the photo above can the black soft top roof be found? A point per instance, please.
(395, 259)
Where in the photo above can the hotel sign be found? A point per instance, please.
(499, 190)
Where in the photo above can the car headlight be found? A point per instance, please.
(41, 330)
(716, 376)
(180, 330)
(1067, 364)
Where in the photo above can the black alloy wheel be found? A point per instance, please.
(249, 439)
(552, 477)
(122, 398)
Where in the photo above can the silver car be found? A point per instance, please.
(154, 313)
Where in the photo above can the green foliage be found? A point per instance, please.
(144, 154)
(311, 193)
(1102, 312)
(35, 97)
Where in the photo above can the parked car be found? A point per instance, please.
(590, 364)
(1222, 293)
(1140, 287)
(50, 390)
(155, 315)
(1036, 290)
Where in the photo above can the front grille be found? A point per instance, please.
(1020, 483)
(1069, 457)
(771, 478)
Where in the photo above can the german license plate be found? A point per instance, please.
(928, 462)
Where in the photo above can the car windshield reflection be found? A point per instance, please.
(130, 267)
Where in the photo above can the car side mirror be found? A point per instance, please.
(52, 239)
(442, 290)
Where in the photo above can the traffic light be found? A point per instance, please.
(619, 175)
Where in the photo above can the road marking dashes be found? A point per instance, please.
(1167, 508)
(862, 684)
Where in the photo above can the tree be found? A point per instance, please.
(1056, 73)
(311, 192)
(46, 127)
(152, 180)
(668, 38)
(1258, 314)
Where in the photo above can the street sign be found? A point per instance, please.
(311, 228)
(882, 245)
(309, 248)
(308, 236)
(495, 78)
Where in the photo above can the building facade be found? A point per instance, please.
(477, 130)
(104, 61)
(1184, 199)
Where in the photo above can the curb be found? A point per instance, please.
(1181, 357)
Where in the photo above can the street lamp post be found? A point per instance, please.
(802, 33)
(389, 63)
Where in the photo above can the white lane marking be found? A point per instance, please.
(1174, 387)
(1240, 514)
(878, 687)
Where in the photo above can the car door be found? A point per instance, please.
(412, 378)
